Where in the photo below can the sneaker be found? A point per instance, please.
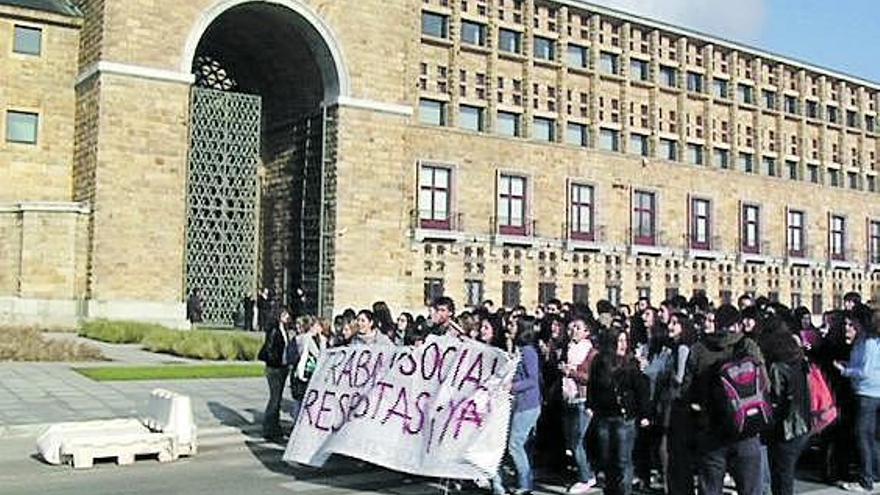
(582, 487)
(852, 486)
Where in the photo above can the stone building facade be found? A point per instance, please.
(515, 150)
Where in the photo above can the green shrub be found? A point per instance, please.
(195, 344)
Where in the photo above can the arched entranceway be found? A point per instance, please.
(262, 131)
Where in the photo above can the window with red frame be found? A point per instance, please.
(434, 197)
(796, 239)
(838, 237)
(644, 218)
(701, 224)
(874, 241)
(751, 229)
(512, 205)
(582, 212)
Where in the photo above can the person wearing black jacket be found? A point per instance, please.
(619, 397)
(277, 355)
(790, 398)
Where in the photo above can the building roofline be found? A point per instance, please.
(59, 7)
(717, 40)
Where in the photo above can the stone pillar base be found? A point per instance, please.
(45, 313)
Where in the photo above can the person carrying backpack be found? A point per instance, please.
(725, 384)
(790, 398)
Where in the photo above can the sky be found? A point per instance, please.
(841, 35)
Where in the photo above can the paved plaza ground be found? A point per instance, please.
(232, 458)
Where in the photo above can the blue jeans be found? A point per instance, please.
(783, 456)
(617, 436)
(576, 421)
(522, 424)
(866, 437)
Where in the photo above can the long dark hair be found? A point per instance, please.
(777, 343)
(688, 331)
(526, 332)
(383, 319)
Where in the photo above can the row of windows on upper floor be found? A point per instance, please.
(473, 118)
(513, 206)
(578, 57)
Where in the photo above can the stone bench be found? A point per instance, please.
(166, 430)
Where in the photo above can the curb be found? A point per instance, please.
(208, 432)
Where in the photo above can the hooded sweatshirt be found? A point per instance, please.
(705, 356)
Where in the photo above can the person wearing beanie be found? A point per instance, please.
(716, 453)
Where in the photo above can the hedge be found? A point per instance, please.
(195, 344)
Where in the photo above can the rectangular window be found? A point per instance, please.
(27, 40)
(668, 150)
(608, 63)
(582, 212)
(578, 57)
(721, 158)
(512, 205)
(434, 197)
(871, 183)
(874, 241)
(769, 98)
(796, 300)
(639, 70)
(544, 48)
(432, 112)
(609, 140)
(812, 109)
(509, 41)
(668, 76)
(852, 179)
(796, 233)
(838, 237)
(813, 170)
(474, 289)
(433, 290)
(695, 154)
(473, 33)
(546, 292)
(671, 293)
(831, 112)
(817, 304)
(834, 177)
(719, 88)
(701, 223)
(471, 118)
(577, 134)
(746, 163)
(613, 294)
(644, 218)
(870, 123)
(510, 293)
(695, 82)
(638, 144)
(21, 127)
(745, 94)
(544, 129)
(852, 118)
(791, 105)
(435, 25)
(580, 294)
(508, 124)
(792, 167)
(726, 296)
(751, 229)
(770, 166)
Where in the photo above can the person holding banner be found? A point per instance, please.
(367, 333)
(526, 389)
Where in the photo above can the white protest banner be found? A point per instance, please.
(441, 409)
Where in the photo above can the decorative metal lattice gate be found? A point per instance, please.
(222, 200)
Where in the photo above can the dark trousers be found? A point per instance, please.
(616, 439)
(742, 458)
(783, 457)
(866, 438)
(681, 444)
(276, 378)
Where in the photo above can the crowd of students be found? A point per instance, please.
(674, 398)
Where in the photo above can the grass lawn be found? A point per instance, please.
(171, 372)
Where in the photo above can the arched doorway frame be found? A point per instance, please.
(337, 81)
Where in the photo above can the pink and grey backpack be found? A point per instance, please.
(740, 398)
